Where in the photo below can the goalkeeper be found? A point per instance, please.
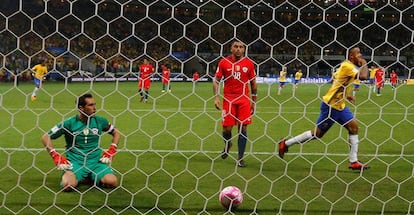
(85, 159)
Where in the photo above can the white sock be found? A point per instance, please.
(35, 91)
(301, 138)
(353, 148)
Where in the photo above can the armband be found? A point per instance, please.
(111, 129)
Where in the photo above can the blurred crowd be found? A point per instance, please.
(277, 34)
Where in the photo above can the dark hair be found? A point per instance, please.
(81, 102)
(237, 41)
(351, 49)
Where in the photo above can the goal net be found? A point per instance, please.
(168, 159)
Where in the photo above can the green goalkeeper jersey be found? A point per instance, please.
(82, 139)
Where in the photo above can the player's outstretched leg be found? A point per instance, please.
(282, 148)
(34, 93)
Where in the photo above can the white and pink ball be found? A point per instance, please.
(231, 197)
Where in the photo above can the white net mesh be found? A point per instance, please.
(169, 157)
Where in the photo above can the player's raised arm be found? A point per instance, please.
(363, 69)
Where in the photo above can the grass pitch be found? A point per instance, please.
(169, 155)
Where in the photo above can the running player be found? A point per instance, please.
(39, 72)
(333, 108)
(282, 79)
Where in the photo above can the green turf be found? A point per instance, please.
(169, 156)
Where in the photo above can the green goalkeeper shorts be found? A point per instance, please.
(93, 171)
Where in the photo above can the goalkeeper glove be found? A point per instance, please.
(109, 154)
(61, 162)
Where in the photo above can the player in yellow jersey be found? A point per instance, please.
(333, 108)
(372, 72)
(39, 73)
(298, 76)
(282, 79)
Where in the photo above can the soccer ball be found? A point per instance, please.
(231, 197)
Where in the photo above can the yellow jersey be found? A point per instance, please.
(282, 76)
(39, 71)
(298, 75)
(372, 73)
(357, 82)
(341, 87)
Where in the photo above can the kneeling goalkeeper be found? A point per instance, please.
(85, 159)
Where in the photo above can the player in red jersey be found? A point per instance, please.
(196, 76)
(165, 78)
(379, 80)
(237, 73)
(393, 79)
(146, 69)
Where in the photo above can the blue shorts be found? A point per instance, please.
(282, 83)
(296, 81)
(371, 80)
(37, 82)
(356, 86)
(329, 116)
